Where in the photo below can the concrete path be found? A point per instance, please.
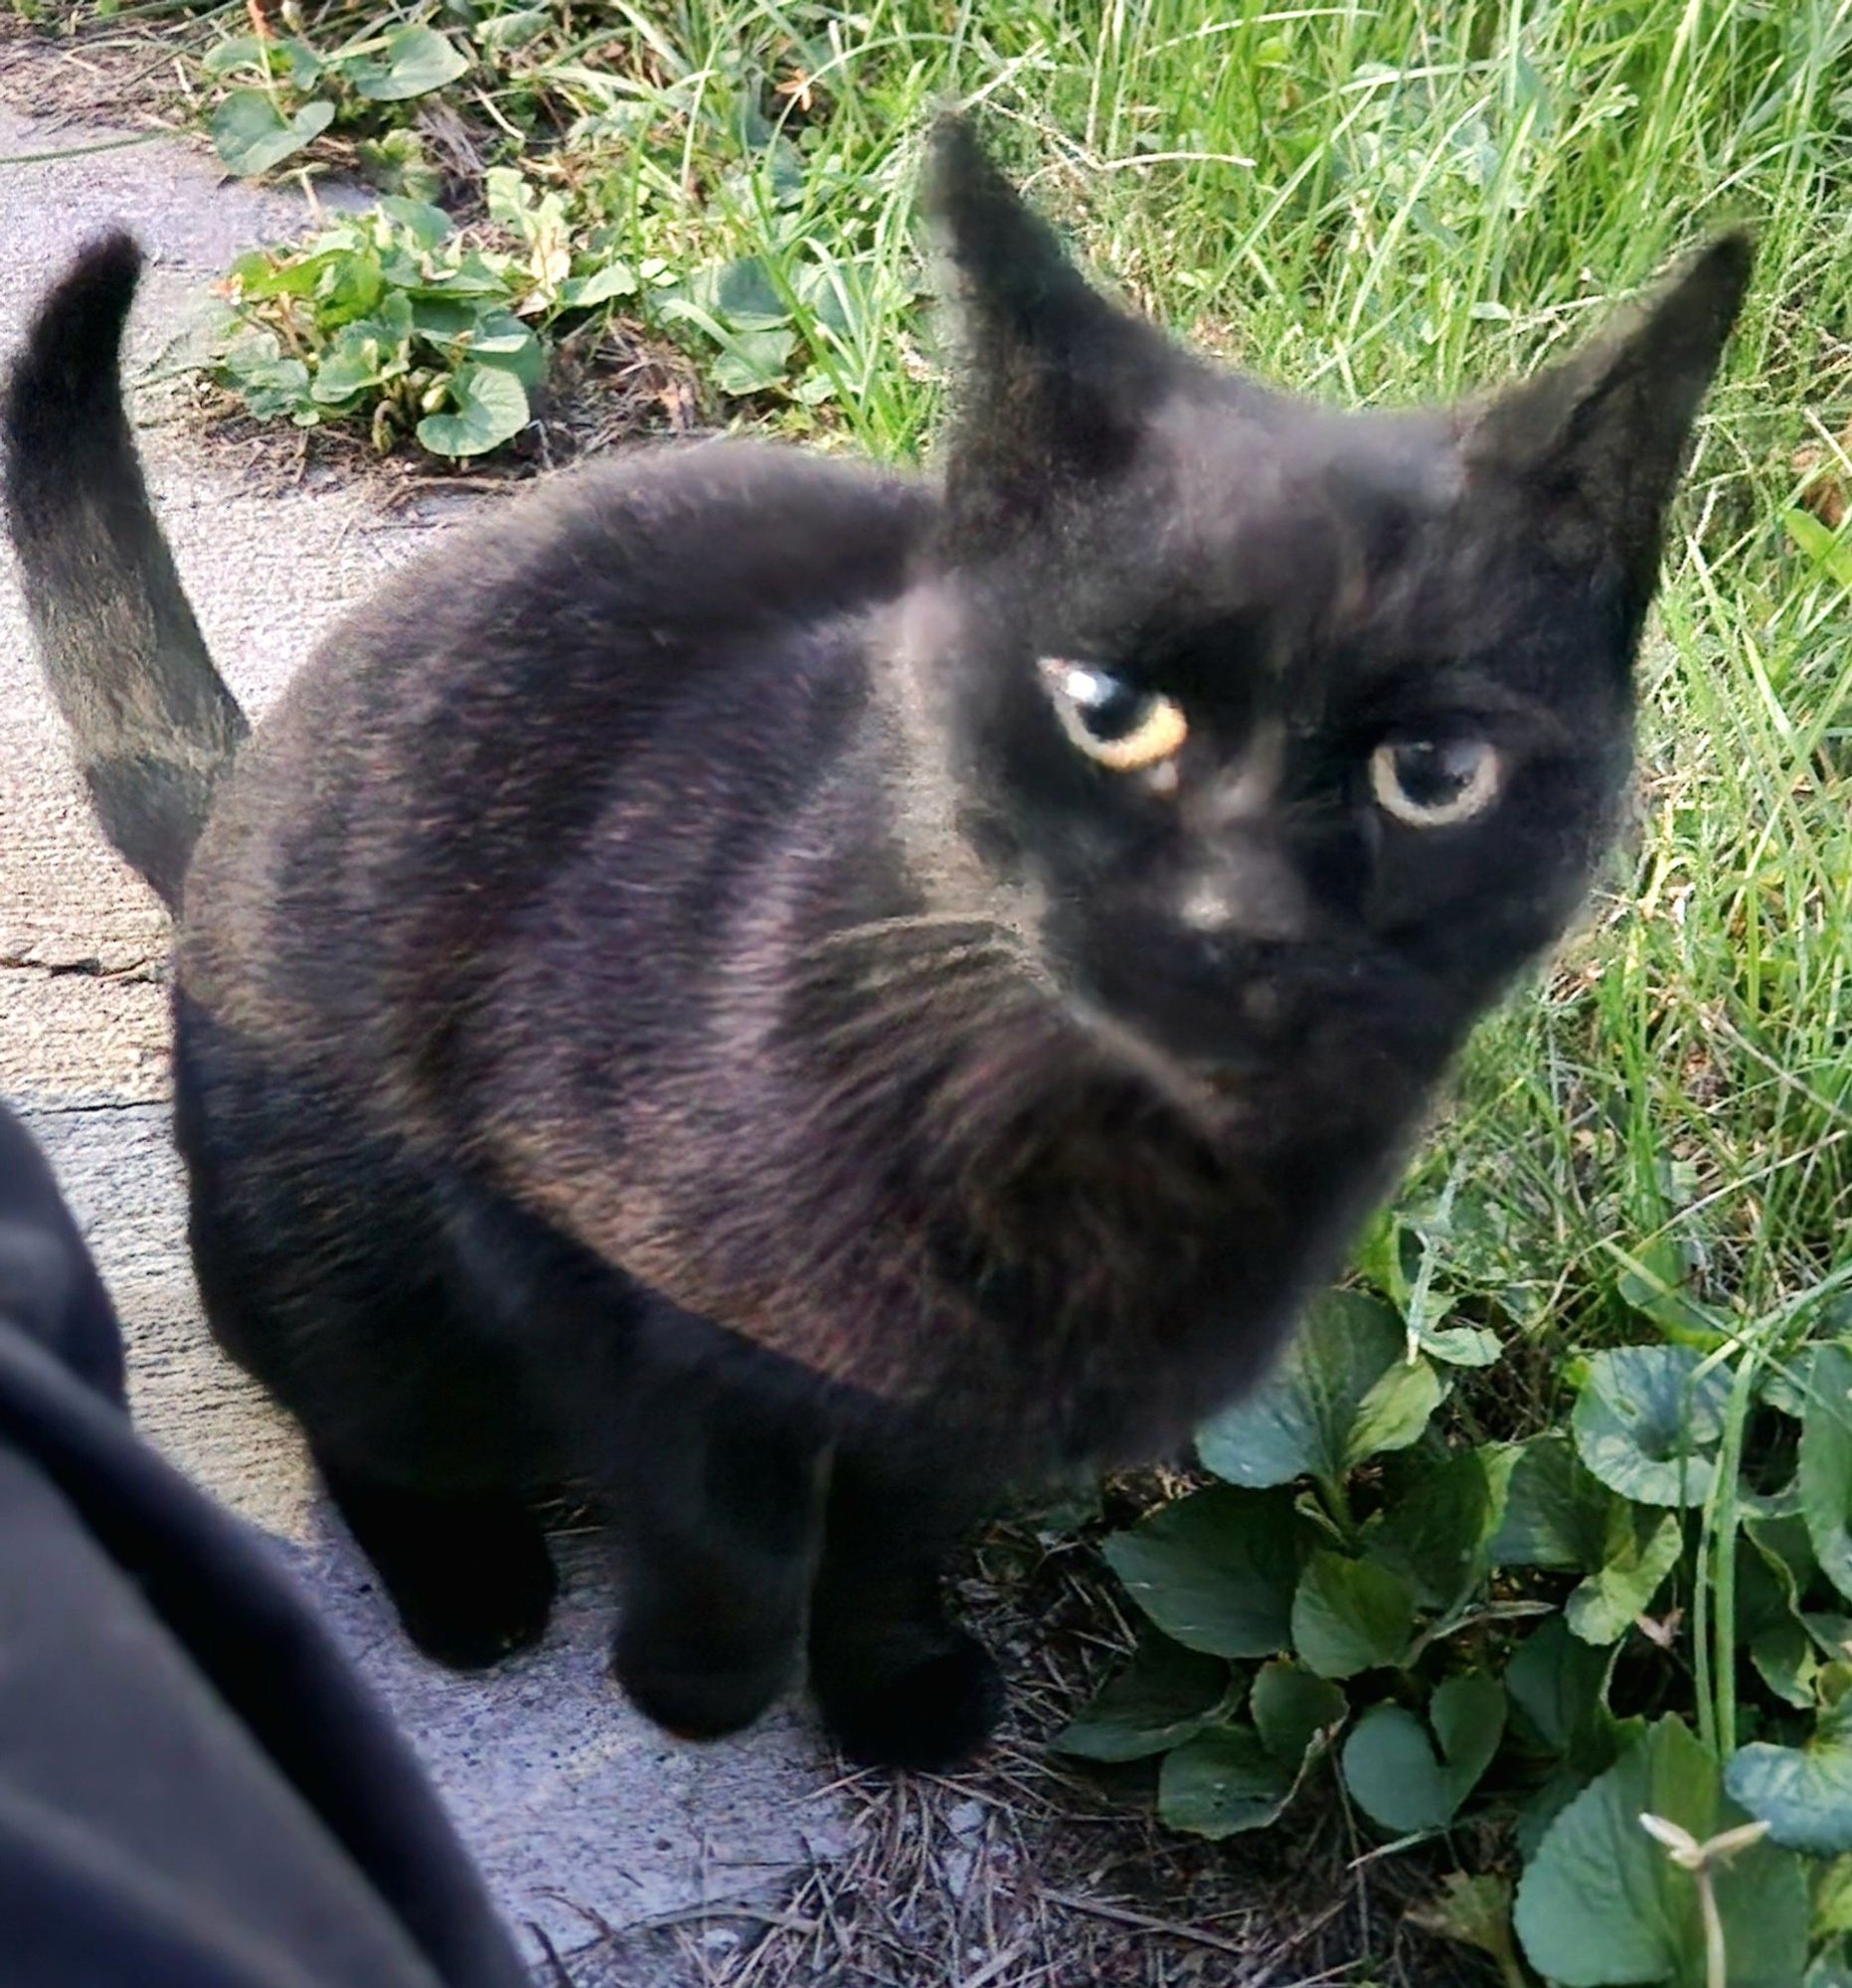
(586, 1821)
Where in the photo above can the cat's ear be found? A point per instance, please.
(1596, 444)
(1054, 381)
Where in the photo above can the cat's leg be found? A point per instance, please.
(468, 1572)
(338, 1304)
(899, 1682)
(717, 1515)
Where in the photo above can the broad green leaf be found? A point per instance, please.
(1824, 547)
(753, 362)
(426, 225)
(251, 135)
(1804, 1793)
(1350, 1615)
(414, 62)
(1293, 1711)
(746, 297)
(1829, 1970)
(1461, 1345)
(1653, 1285)
(1409, 1779)
(1784, 1659)
(271, 385)
(489, 407)
(1216, 1570)
(1299, 1422)
(1556, 1512)
(1164, 1695)
(1438, 1535)
(1642, 1549)
(1221, 1782)
(1395, 1412)
(615, 279)
(1826, 1464)
(1833, 1899)
(499, 338)
(1647, 1421)
(1556, 1680)
(1603, 1904)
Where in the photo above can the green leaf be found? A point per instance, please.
(1438, 1535)
(1299, 1422)
(1642, 1549)
(1825, 1474)
(499, 338)
(1407, 1780)
(1164, 1695)
(1556, 1680)
(426, 225)
(488, 407)
(1461, 1345)
(1648, 1420)
(1601, 1904)
(1293, 1711)
(1216, 1570)
(615, 279)
(1556, 1512)
(1804, 1793)
(746, 297)
(415, 61)
(1653, 1285)
(1349, 1615)
(270, 384)
(1833, 1899)
(1784, 1659)
(251, 135)
(1221, 1782)
(1824, 547)
(1395, 1412)
(754, 362)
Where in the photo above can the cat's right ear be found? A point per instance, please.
(1054, 381)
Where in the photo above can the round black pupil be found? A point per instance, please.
(1431, 774)
(1113, 710)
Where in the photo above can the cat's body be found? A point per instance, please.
(683, 993)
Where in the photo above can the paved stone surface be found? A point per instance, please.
(585, 1819)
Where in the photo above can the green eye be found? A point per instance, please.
(1113, 722)
(1432, 784)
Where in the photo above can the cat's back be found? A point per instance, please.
(453, 736)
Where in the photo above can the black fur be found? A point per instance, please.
(154, 725)
(667, 1000)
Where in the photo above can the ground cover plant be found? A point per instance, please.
(1537, 1553)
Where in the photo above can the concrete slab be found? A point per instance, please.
(585, 1820)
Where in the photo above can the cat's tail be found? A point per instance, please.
(152, 721)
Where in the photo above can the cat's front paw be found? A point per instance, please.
(931, 1713)
(470, 1625)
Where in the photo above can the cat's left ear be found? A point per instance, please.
(1054, 381)
(1597, 443)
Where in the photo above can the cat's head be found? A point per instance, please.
(1287, 735)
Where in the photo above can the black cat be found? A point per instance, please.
(803, 998)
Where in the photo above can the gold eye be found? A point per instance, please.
(1113, 722)
(1433, 783)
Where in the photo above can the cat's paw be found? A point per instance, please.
(695, 1694)
(467, 1624)
(470, 1625)
(933, 1712)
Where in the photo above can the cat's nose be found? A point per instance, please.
(1249, 892)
